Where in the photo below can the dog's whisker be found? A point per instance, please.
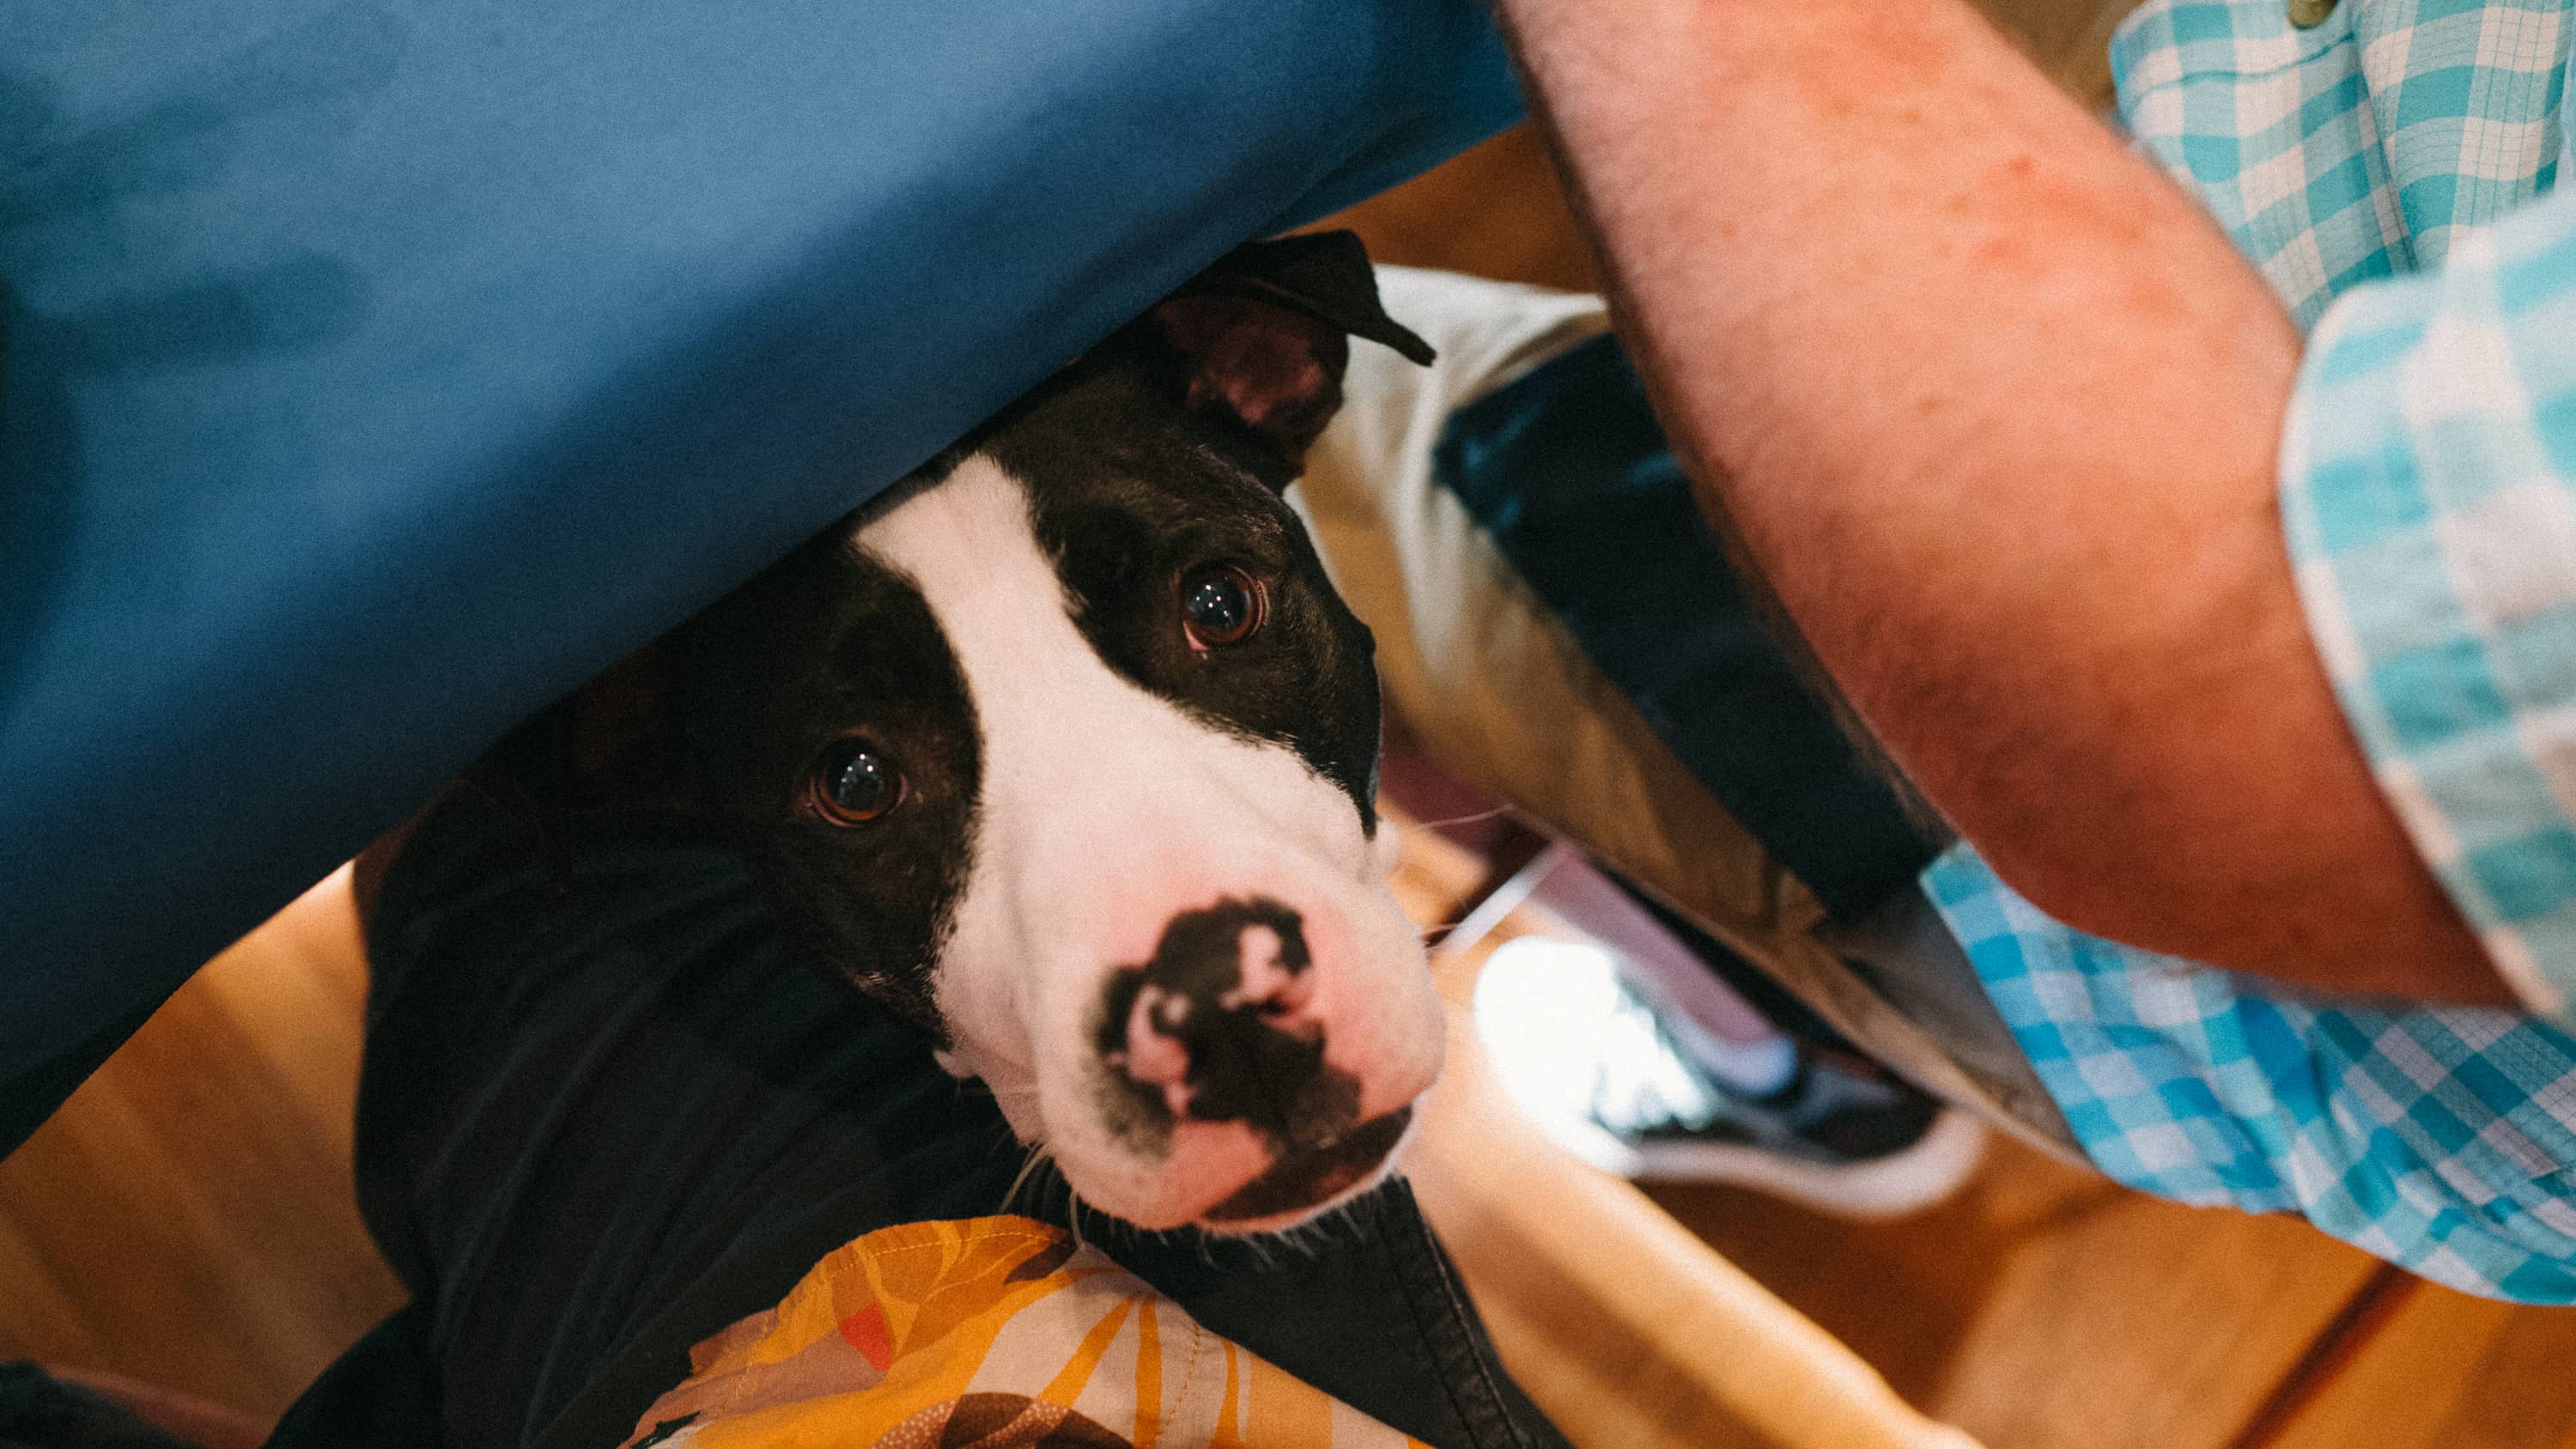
(1342, 1219)
(1307, 1239)
(1477, 818)
(1073, 1214)
(1038, 1160)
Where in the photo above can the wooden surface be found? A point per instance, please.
(188, 1218)
(2045, 1306)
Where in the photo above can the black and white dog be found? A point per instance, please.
(1066, 751)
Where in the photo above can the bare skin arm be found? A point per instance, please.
(1996, 408)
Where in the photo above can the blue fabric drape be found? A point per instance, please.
(371, 372)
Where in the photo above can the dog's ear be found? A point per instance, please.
(1264, 336)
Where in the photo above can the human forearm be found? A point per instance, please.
(1995, 408)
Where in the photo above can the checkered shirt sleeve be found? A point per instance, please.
(2354, 149)
(2429, 495)
(2390, 171)
(2438, 1139)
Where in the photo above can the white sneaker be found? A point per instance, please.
(1590, 1061)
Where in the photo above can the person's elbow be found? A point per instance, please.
(2369, 921)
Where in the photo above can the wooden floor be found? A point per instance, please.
(187, 1219)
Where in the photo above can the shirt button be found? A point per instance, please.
(2309, 14)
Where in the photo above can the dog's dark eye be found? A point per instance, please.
(853, 784)
(1220, 606)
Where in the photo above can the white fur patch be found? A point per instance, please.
(1106, 811)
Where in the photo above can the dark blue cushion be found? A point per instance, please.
(372, 372)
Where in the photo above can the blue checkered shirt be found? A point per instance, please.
(2390, 172)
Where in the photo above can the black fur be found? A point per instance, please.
(1131, 494)
(826, 645)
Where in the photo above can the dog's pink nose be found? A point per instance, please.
(1219, 1026)
(1268, 984)
(1153, 1053)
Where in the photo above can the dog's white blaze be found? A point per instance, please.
(1104, 812)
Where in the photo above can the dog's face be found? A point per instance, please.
(1068, 753)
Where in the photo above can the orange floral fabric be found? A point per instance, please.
(991, 1333)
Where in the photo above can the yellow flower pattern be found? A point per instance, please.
(994, 1333)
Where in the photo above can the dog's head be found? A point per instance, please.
(1067, 751)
